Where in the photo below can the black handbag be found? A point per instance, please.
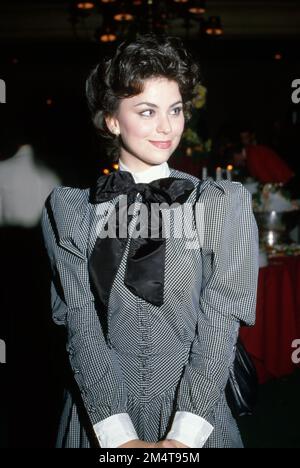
(242, 387)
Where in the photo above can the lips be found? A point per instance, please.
(161, 144)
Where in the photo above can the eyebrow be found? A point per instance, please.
(154, 105)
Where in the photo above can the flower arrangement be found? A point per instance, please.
(192, 141)
(199, 100)
(273, 197)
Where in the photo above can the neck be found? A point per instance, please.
(136, 165)
(154, 172)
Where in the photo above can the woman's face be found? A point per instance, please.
(160, 120)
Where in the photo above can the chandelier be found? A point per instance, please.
(108, 21)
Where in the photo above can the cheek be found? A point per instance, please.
(178, 126)
(138, 128)
(182, 124)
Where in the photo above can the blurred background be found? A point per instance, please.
(245, 127)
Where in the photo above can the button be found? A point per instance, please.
(145, 352)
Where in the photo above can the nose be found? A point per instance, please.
(164, 125)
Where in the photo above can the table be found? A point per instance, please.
(269, 342)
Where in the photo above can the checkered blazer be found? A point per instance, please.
(152, 361)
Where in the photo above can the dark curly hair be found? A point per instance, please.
(123, 75)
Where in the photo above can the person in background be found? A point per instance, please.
(260, 161)
(25, 182)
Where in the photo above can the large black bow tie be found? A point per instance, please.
(144, 275)
(169, 189)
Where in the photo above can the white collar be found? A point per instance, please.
(155, 172)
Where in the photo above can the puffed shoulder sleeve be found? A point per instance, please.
(230, 254)
(65, 226)
(230, 251)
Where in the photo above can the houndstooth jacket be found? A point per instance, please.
(146, 371)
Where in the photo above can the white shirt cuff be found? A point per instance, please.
(190, 429)
(115, 430)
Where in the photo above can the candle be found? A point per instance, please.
(229, 172)
(219, 173)
(189, 151)
(204, 173)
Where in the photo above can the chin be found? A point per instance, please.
(160, 160)
(156, 159)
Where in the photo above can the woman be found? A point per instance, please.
(152, 322)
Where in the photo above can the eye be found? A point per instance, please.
(148, 110)
(178, 109)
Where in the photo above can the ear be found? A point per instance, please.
(112, 124)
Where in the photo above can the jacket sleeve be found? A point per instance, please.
(230, 255)
(95, 367)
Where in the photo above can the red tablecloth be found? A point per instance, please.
(269, 342)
